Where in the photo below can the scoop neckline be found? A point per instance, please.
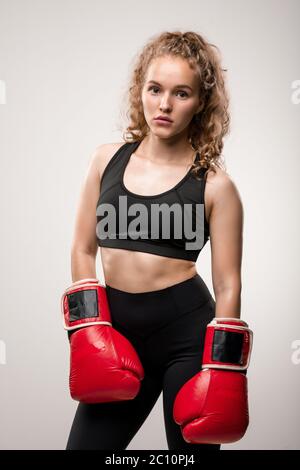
(152, 196)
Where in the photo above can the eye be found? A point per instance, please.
(153, 88)
(185, 94)
(156, 88)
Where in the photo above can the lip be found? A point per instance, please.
(163, 122)
(163, 118)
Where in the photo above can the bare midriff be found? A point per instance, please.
(138, 271)
(135, 271)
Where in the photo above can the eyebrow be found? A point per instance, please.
(177, 86)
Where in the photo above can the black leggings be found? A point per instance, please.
(167, 329)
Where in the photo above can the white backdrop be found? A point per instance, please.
(64, 66)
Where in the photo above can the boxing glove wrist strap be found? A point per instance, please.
(85, 303)
(228, 344)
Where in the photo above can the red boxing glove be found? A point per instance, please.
(104, 366)
(212, 407)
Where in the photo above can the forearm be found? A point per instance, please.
(228, 303)
(83, 265)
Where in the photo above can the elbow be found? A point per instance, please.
(233, 286)
(84, 251)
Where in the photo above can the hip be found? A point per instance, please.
(143, 313)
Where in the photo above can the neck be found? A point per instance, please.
(159, 150)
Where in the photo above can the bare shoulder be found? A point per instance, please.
(219, 187)
(103, 154)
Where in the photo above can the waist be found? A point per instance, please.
(139, 315)
(135, 271)
(187, 294)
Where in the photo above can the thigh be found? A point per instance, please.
(185, 350)
(112, 425)
(175, 377)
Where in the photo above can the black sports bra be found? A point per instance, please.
(171, 224)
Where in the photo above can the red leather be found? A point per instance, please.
(212, 407)
(104, 365)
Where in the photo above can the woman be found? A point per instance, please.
(157, 300)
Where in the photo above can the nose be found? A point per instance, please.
(165, 105)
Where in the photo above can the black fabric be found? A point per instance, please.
(188, 191)
(168, 336)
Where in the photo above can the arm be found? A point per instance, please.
(84, 244)
(226, 234)
(212, 407)
(104, 366)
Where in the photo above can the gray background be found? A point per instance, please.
(64, 66)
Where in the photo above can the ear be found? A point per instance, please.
(200, 107)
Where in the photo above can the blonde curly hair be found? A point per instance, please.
(209, 126)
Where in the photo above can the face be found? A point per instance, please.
(165, 96)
